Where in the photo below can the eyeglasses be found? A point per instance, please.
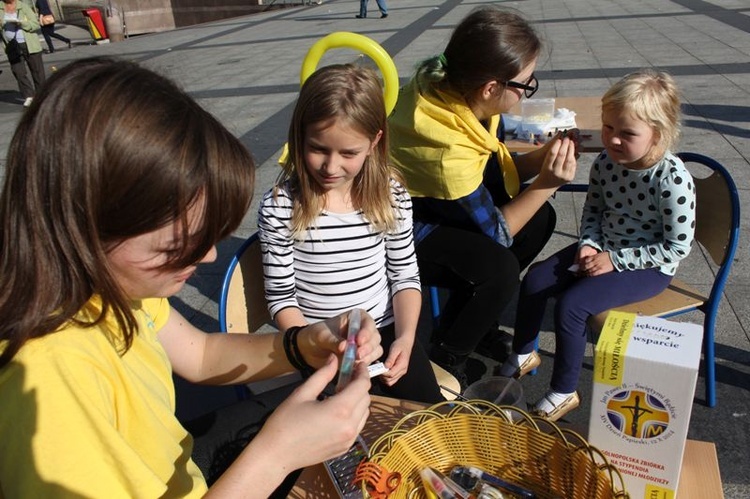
(529, 88)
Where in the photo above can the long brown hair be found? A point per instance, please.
(107, 151)
(487, 45)
(353, 95)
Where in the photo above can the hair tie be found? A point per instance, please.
(443, 60)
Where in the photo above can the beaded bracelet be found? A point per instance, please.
(293, 353)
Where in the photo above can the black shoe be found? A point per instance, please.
(451, 362)
(383, 16)
(496, 344)
(360, 17)
(459, 374)
(475, 369)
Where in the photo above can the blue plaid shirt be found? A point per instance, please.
(477, 211)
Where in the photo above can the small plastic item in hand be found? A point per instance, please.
(575, 268)
(377, 369)
(350, 353)
(573, 134)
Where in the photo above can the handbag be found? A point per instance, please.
(13, 50)
(46, 19)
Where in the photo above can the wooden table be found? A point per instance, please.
(588, 118)
(699, 478)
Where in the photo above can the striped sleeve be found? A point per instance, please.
(401, 258)
(274, 217)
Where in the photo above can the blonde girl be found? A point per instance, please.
(638, 223)
(336, 230)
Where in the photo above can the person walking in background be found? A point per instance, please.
(638, 222)
(19, 33)
(47, 21)
(363, 9)
(474, 231)
(336, 230)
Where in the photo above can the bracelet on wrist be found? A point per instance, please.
(293, 353)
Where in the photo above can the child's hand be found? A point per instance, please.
(595, 265)
(583, 252)
(397, 361)
(316, 341)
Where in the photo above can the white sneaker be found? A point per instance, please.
(28, 101)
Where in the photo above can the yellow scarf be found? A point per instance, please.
(441, 147)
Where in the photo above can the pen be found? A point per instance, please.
(350, 353)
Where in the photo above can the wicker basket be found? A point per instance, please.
(529, 451)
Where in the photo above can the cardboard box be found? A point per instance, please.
(645, 371)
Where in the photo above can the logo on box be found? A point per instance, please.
(638, 415)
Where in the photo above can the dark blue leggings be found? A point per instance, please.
(578, 298)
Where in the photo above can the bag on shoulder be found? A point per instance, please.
(13, 50)
(46, 19)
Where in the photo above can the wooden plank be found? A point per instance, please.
(700, 476)
(678, 297)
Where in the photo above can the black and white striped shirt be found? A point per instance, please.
(341, 263)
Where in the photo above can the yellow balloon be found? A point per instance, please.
(367, 46)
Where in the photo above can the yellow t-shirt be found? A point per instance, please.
(78, 419)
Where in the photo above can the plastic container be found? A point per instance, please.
(498, 390)
(537, 111)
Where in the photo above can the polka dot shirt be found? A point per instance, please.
(644, 218)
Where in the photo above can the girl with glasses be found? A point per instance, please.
(474, 231)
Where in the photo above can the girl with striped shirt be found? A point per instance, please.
(336, 230)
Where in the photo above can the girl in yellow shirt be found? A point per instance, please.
(118, 184)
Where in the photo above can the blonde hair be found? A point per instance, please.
(651, 96)
(351, 95)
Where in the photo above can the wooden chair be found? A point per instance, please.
(242, 305)
(717, 232)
